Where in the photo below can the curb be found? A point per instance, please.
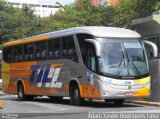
(157, 104)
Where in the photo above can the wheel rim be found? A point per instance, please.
(76, 95)
(20, 92)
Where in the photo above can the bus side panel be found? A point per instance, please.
(19, 71)
(5, 76)
(89, 87)
(47, 85)
(89, 91)
(67, 72)
(40, 82)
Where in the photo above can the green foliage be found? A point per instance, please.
(16, 23)
(129, 10)
(157, 6)
(74, 15)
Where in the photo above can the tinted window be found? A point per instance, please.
(51, 49)
(7, 54)
(83, 45)
(69, 49)
(87, 51)
(57, 48)
(17, 53)
(41, 50)
(29, 52)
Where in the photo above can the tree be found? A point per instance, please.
(157, 5)
(128, 10)
(16, 23)
(84, 14)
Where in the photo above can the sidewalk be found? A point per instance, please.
(157, 104)
(1, 92)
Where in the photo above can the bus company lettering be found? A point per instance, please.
(45, 75)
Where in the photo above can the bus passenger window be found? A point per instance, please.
(69, 49)
(29, 52)
(7, 54)
(17, 54)
(51, 49)
(57, 48)
(64, 47)
(41, 50)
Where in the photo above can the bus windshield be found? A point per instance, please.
(122, 57)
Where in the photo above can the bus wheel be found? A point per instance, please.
(21, 94)
(75, 98)
(119, 102)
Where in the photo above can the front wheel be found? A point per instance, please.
(75, 98)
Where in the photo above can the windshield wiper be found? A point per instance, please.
(123, 60)
(130, 60)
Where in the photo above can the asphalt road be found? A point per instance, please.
(45, 108)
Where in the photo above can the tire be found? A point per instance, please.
(21, 93)
(75, 98)
(119, 102)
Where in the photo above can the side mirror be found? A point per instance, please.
(155, 49)
(96, 45)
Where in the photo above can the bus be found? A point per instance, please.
(91, 62)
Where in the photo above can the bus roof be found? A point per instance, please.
(97, 31)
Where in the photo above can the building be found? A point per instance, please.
(41, 8)
(100, 2)
(105, 2)
(149, 28)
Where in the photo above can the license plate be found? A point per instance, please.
(129, 93)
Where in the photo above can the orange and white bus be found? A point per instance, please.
(81, 63)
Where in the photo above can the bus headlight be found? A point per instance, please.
(103, 83)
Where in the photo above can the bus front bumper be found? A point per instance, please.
(112, 91)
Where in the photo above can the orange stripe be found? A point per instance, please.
(33, 90)
(89, 91)
(29, 40)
